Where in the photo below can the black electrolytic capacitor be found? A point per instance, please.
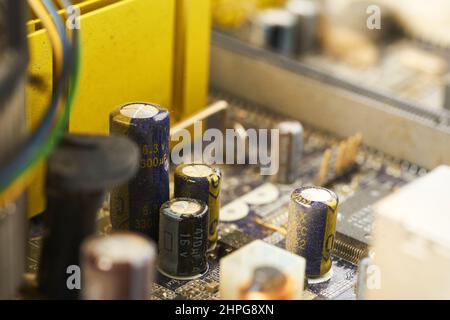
(274, 29)
(308, 16)
(183, 238)
(79, 172)
(201, 182)
(135, 205)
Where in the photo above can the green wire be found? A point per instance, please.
(60, 127)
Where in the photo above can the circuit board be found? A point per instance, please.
(253, 207)
(406, 69)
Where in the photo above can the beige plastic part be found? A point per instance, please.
(412, 241)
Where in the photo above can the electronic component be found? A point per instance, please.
(248, 274)
(311, 228)
(78, 173)
(411, 240)
(120, 266)
(307, 13)
(446, 104)
(233, 241)
(183, 238)
(290, 150)
(364, 75)
(259, 210)
(135, 206)
(201, 182)
(355, 213)
(275, 29)
(338, 161)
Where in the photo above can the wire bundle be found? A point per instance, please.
(66, 52)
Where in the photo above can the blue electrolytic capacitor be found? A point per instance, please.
(312, 228)
(135, 206)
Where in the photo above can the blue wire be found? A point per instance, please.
(35, 142)
(59, 27)
(67, 4)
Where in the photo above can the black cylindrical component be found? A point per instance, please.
(78, 174)
(201, 182)
(135, 205)
(275, 29)
(290, 145)
(183, 238)
(307, 13)
(312, 228)
(446, 103)
(117, 267)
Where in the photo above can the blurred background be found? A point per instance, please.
(398, 48)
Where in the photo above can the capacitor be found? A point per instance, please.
(275, 29)
(79, 172)
(135, 205)
(307, 13)
(447, 93)
(120, 266)
(312, 228)
(183, 238)
(290, 150)
(201, 182)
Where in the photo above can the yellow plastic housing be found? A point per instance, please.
(127, 55)
(192, 51)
